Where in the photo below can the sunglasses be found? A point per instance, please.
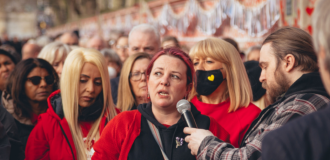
(37, 79)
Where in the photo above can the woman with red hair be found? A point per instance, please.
(155, 129)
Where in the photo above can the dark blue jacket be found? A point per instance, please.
(114, 89)
(306, 138)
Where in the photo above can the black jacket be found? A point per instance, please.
(145, 148)
(17, 151)
(24, 131)
(4, 144)
(24, 124)
(306, 138)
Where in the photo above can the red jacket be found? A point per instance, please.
(51, 138)
(235, 123)
(120, 133)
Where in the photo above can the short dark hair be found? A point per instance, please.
(295, 41)
(13, 56)
(232, 42)
(171, 38)
(16, 82)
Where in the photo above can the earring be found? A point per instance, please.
(148, 96)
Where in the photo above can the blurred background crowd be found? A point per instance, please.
(248, 22)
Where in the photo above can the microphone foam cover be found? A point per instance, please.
(183, 105)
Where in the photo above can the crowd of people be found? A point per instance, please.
(65, 98)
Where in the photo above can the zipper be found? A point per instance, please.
(67, 140)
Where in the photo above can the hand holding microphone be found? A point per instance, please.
(196, 135)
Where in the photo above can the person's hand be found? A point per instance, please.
(196, 137)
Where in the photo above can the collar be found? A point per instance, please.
(8, 103)
(307, 83)
(146, 111)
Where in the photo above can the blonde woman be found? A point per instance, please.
(77, 113)
(55, 53)
(221, 87)
(132, 89)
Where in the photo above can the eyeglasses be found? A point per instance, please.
(37, 79)
(136, 76)
(121, 47)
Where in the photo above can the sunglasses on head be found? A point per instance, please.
(37, 79)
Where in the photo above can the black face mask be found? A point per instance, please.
(206, 82)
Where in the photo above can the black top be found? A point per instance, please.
(4, 144)
(145, 145)
(24, 131)
(8, 121)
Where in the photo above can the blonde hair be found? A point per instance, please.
(54, 51)
(239, 88)
(126, 100)
(69, 86)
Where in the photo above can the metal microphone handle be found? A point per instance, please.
(190, 120)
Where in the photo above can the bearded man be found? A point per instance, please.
(290, 76)
(307, 137)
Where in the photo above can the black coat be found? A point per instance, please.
(17, 151)
(306, 138)
(24, 125)
(24, 131)
(4, 144)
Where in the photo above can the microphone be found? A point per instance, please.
(183, 106)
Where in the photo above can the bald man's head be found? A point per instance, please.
(30, 50)
(96, 43)
(69, 38)
(143, 38)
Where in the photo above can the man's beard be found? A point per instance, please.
(276, 90)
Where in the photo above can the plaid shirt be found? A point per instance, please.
(271, 118)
